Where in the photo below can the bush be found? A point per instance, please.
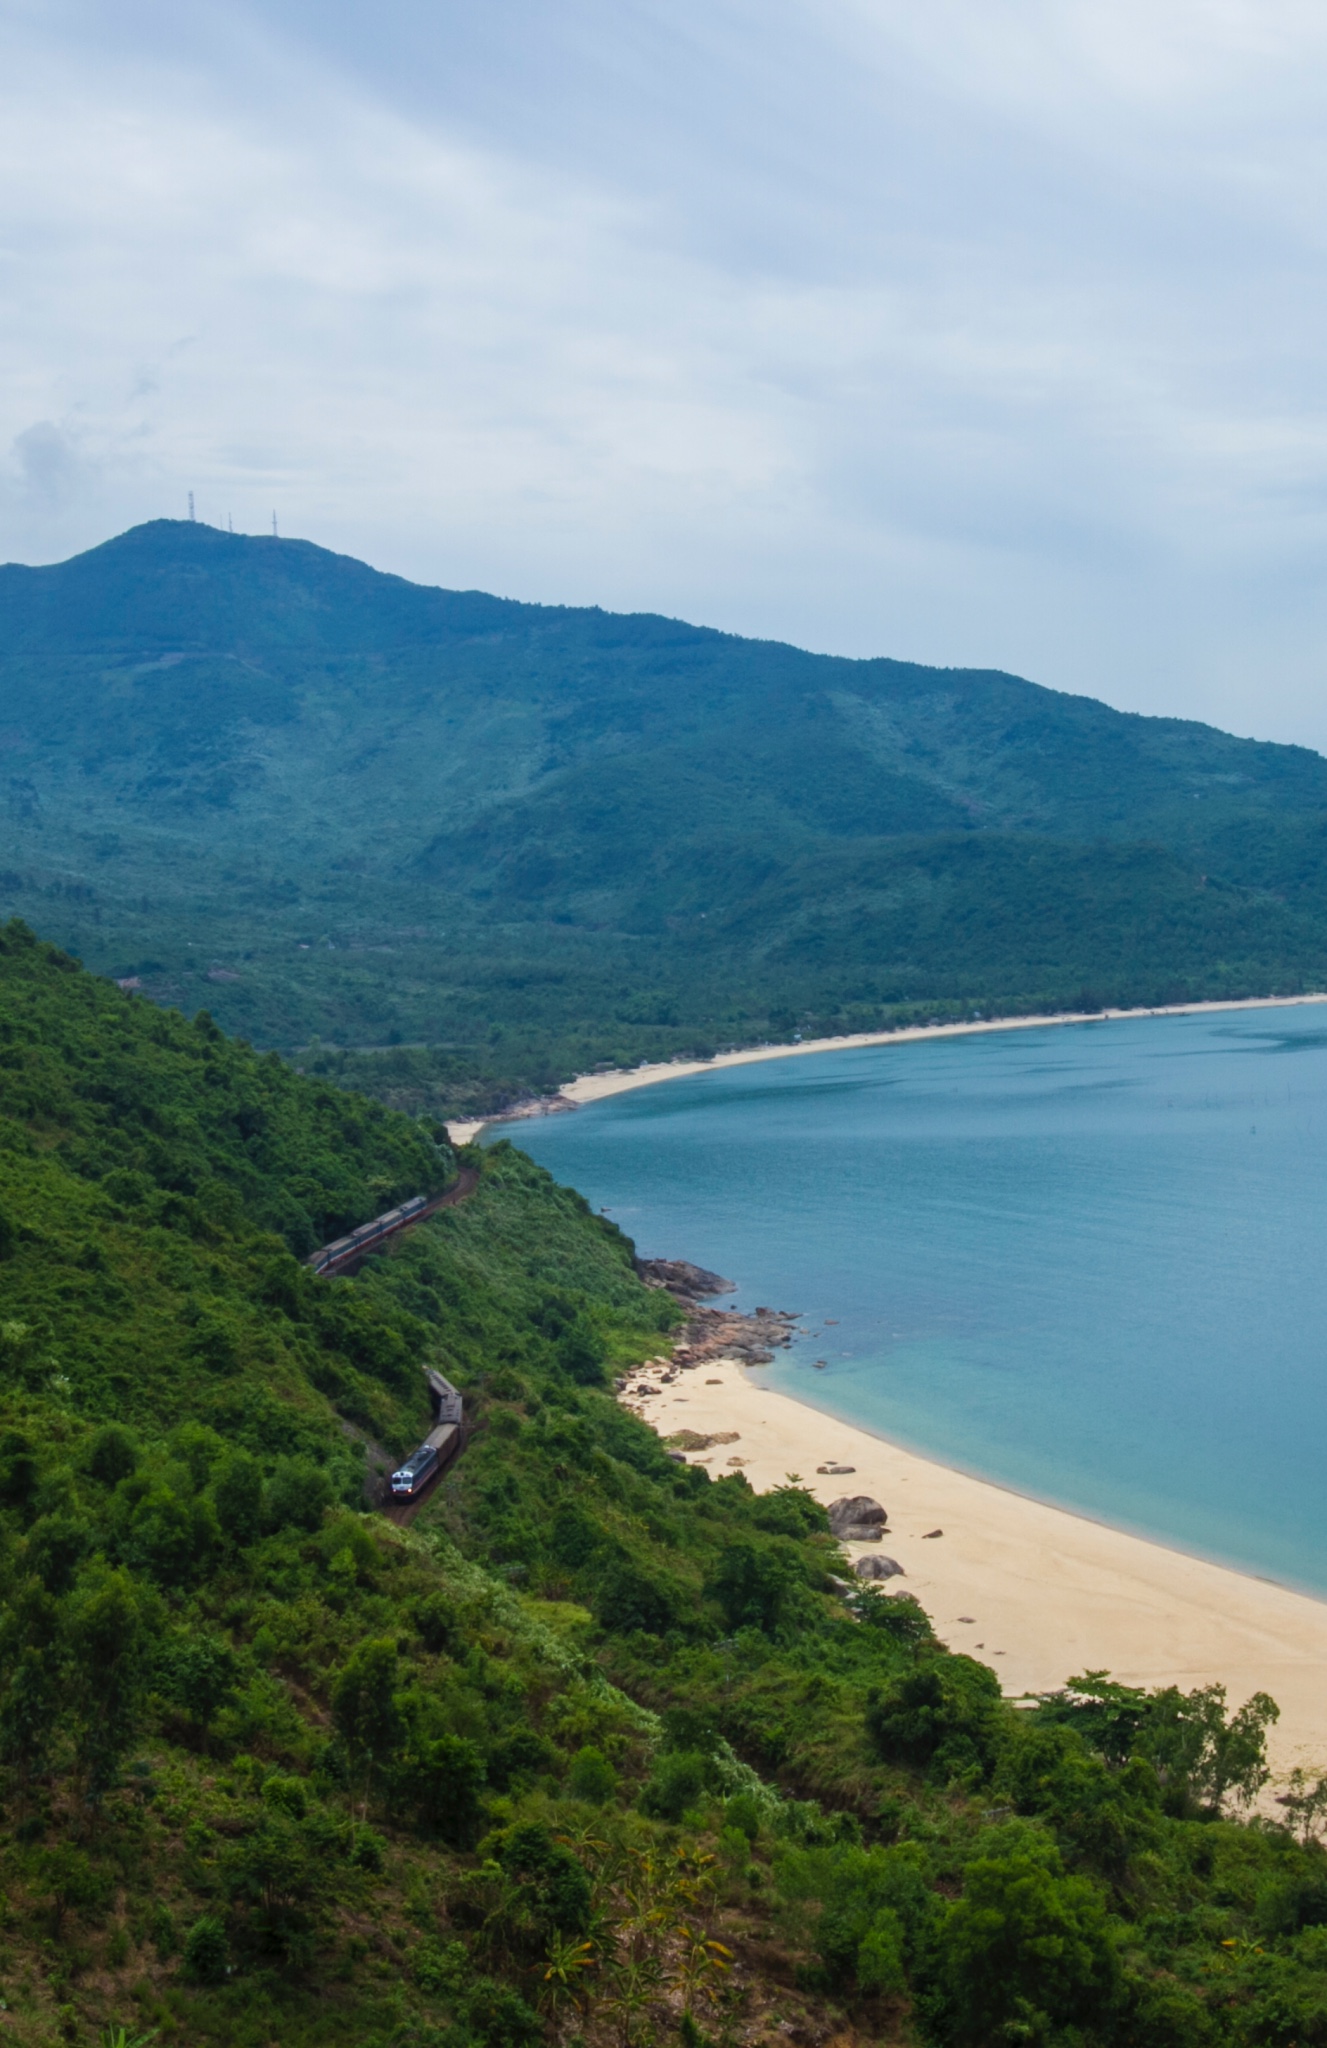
(743, 1811)
(1025, 1947)
(555, 1891)
(287, 1795)
(112, 1455)
(758, 1586)
(437, 1621)
(626, 1600)
(297, 1496)
(437, 1968)
(368, 1850)
(942, 1718)
(677, 1782)
(238, 1494)
(592, 1778)
(206, 1951)
(441, 1783)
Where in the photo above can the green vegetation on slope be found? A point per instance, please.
(517, 840)
(596, 1748)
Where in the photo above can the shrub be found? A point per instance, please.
(553, 1891)
(112, 1455)
(206, 1951)
(437, 1622)
(440, 1781)
(592, 1778)
(743, 1811)
(238, 1494)
(677, 1781)
(1025, 1947)
(942, 1718)
(368, 1850)
(626, 1600)
(287, 1795)
(297, 1496)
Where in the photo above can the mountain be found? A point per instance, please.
(322, 801)
(586, 1745)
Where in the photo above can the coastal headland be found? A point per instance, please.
(1035, 1591)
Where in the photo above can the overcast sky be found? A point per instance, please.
(971, 331)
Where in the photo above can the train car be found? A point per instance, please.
(415, 1474)
(366, 1236)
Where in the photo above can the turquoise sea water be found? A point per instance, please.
(1086, 1261)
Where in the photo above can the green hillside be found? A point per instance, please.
(597, 1750)
(326, 803)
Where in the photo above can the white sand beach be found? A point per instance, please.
(594, 1087)
(1036, 1592)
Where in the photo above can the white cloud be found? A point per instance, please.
(985, 332)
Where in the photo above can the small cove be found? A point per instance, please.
(1083, 1261)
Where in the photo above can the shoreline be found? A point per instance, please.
(587, 1088)
(1037, 1592)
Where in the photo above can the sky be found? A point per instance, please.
(977, 332)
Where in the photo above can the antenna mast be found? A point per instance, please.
(191, 508)
(274, 531)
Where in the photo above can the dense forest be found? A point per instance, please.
(496, 843)
(594, 1749)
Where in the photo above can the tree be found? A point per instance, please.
(592, 1778)
(238, 1493)
(206, 1951)
(942, 1717)
(201, 1675)
(757, 1585)
(112, 1454)
(104, 1641)
(30, 1711)
(366, 1713)
(442, 1780)
(1026, 1949)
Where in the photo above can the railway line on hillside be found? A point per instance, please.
(412, 1482)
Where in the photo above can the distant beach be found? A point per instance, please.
(594, 1087)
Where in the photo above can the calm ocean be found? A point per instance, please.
(1086, 1261)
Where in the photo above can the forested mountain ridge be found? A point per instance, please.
(598, 1749)
(532, 837)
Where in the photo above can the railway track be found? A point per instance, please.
(345, 1256)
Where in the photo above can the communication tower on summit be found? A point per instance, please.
(275, 535)
(191, 508)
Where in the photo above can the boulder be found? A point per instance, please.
(856, 1518)
(878, 1568)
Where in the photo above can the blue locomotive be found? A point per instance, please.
(414, 1475)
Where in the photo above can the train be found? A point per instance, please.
(366, 1237)
(438, 1449)
(412, 1477)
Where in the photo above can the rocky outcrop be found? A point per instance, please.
(715, 1332)
(879, 1568)
(682, 1279)
(723, 1333)
(856, 1518)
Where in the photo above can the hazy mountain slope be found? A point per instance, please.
(367, 809)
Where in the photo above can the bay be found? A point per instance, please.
(1083, 1261)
